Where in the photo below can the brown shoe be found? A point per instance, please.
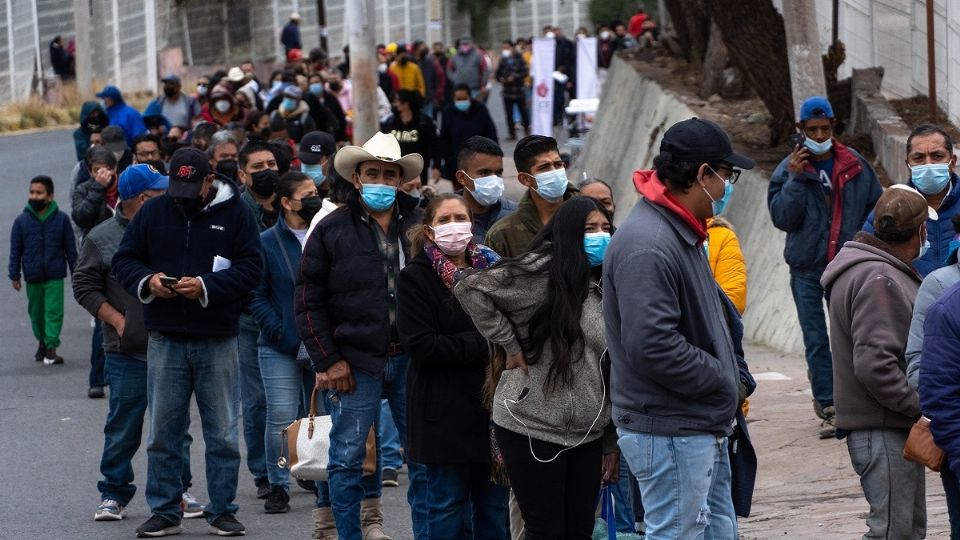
(324, 527)
(371, 520)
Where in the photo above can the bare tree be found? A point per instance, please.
(691, 20)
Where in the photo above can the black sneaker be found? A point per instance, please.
(41, 352)
(308, 485)
(158, 526)
(263, 488)
(277, 501)
(95, 392)
(227, 525)
(390, 478)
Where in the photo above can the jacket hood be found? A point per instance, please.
(50, 210)
(655, 191)
(718, 221)
(225, 193)
(86, 110)
(302, 107)
(155, 109)
(113, 93)
(864, 248)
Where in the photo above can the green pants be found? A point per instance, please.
(45, 304)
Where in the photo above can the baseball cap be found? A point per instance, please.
(315, 145)
(292, 91)
(901, 209)
(114, 138)
(171, 77)
(698, 140)
(136, 179)
(815, 107)
(188, 168)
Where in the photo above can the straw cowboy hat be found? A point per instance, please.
(381, 147)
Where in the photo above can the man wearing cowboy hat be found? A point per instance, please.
(346, 309)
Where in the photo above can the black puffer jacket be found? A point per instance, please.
(341, 296)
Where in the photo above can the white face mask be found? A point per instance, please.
(550, 35)
(605, 35)
(222, 106)
(453, 238)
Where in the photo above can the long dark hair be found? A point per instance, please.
(557, 320)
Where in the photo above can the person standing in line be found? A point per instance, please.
(468, 67)
(42, 249)
(480, 173)
(177, 107)
(871, 285)
(290, 35)
(121, 114)
(415, 131)
(820, 196)
(511, 73)
(462, 119)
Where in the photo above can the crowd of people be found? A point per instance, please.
(238, 247)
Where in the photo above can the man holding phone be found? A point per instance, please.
(819, 195)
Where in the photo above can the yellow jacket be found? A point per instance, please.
(726, 261)
(410, 77)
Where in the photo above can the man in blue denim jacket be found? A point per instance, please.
(819, 195)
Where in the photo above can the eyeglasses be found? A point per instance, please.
(148, 154)
(731, 178)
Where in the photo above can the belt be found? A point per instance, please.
(394, 349)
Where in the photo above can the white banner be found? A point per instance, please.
(587, 84)
(542, 72)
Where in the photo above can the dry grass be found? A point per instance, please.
(37, 113)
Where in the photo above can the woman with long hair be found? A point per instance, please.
(448, 427)
(551, 410)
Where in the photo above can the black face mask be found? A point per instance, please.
(38, 205)
(169, 146)
(190, 206)
(169, 91)
(309, 206)
(335, 86)
(264, 182)
(228, 168)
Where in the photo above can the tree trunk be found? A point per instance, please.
(761, 54)
(691, 21)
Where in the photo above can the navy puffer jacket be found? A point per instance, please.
(43, 247)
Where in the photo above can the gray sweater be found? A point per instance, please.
(930, 291)
(502, 308)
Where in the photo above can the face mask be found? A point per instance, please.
(487, 190)
(924, 247)
(719, 205)
(188, 205)
(316, 89)
(551, 185)
(309, 206)
(264, 182)
(103, 104)
(452, 238)
(818, 148)
(382, 68)
(605, 35)
(169, 92)
(228, 168)
(595, 244)
(462, 106)
(930, 179)
(415, 193)
(336, 86)
(550, 35)
(378, 197)
(289, 104)
(505, 54)
(315, 172)
(201, 90)
(222, 106)
(37, 204)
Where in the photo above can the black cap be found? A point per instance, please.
(315, 145)
(188, 169)
(697, 140)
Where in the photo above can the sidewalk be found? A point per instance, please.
(806, 487)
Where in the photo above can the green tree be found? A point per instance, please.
(605, 11)
(479, 12)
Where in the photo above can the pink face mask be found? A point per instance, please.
(452, 238)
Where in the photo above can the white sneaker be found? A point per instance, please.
(110, 510)
(190, 506)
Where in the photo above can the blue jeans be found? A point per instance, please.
(391, 457)
(97, 356)
(685, 485)
(254, 402)
(808, 296)
(208, 368)
(622, 500)
(465, 489)
(286, 382)
(123, 430)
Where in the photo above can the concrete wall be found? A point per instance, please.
(626, 137)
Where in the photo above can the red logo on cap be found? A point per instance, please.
(186, 171)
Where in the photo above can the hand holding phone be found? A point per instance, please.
(168, 281)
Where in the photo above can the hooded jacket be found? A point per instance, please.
(817, 227)
(161, 238)
(299, 121)
(726, 261)
(155, 109)
(81, 135)
(42, 245)
(123, 115)
(870, 292)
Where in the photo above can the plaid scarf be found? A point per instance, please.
(478, 256)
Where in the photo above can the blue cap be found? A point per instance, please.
(815, 107)
(171, 77)
(138, 178)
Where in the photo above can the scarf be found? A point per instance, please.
(478, 257)
(655, 191)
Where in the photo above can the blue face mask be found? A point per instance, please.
(462, 106)
(315, 172)
(551, 185)
(719, 205)
(930, 179)
(595, 244)
(316, 89)
(378, 197)
(289, 104)
(818, 148)
(487, 190)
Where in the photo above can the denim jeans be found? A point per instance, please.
(464, 489)
(893, 486)
(123, 430)
(254, 402)
(952, 490)
(352, 416)
(97, 356)
(207, 368)
(622, 499)
(286, 382)
(391, 456)
(808, 296)
(685, 485)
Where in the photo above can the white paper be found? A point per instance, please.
(220, 263)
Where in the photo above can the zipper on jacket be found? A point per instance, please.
(183, 264)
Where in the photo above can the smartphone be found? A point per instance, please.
(168, 281)
(796, 140)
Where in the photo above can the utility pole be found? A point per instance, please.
(803, 51)
(931, 64)
(81, 22)
(363, 68)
